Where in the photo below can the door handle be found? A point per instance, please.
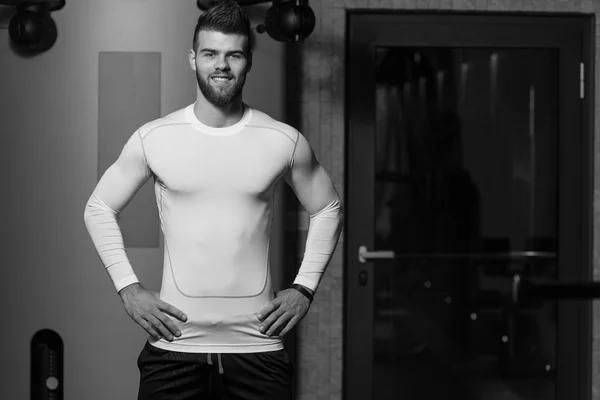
(526, 289)
(364, 255)
(513, 256)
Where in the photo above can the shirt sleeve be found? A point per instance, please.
(308, 179)
(316, 192)
(112, 194)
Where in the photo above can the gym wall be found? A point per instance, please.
(50, 122)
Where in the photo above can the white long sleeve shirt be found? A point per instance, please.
(214, 189)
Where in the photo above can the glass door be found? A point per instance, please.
(465, 195)
(462, 173)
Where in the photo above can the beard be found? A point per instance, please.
(222, 95)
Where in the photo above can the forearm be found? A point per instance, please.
(103, 228)
(324, 231)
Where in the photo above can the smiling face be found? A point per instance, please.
(221, 62)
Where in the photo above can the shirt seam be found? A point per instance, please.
(163, 125)
(270, 127)
(144, 151)
(291, 164)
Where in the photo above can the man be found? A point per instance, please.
(216, 328)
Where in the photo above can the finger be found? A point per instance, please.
(147, 327)
(278, 325)
(290, 325)
(159, 327)
(270, 319)
(268, 309)
(266, 325)
(168, 323)
(163, 306)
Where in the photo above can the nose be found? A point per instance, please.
(221, 63)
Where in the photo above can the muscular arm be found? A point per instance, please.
(315, 191)
(114, 191)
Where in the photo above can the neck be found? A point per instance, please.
(218, 117)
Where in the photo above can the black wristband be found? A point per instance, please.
(303, 290)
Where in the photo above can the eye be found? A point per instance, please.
(209, 54)
(237, 56)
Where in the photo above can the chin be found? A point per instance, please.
(220, 102)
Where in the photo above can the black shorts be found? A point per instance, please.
(174, 375)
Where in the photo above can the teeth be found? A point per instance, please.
(221, 79)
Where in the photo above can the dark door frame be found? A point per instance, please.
(573, 35)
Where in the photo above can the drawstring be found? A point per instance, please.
(215, 380)
(209, 361)
(220, 365)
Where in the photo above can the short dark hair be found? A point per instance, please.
(225, 16)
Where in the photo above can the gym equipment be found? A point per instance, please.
(32, 29)
(286, 20)
(46, 381)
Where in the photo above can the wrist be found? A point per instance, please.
(306, 292)
(129, 289)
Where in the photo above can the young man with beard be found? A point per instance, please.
(216, 326)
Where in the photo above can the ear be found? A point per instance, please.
(192, 59)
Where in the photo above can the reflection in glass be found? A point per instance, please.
(466, 166)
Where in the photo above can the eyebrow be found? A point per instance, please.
(227, 52)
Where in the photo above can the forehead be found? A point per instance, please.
(221, 41)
